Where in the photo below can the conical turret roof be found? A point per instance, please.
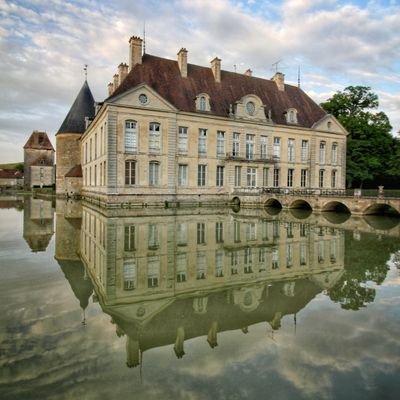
(82, 107)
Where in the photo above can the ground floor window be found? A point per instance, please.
(201, 175)
(130, 172)
(154, 173)
(251, 177)
(276, 177)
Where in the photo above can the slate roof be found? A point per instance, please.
(75, 172)
(163, 75)
(82, 107)
(39, 140)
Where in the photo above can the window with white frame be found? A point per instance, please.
(181, 234)
(251, 177)
(333, 178)
(303, 178)
(201, 175)
(203, 103)
(130, 172)
(248, 260)
(153, 271)
(182, 175)
(290, 177)
(289, 255)
(131, 136)
(251, 231)
(263, 147)
(182, 139)
(153, 240)
(219, 263)
(334, 157)
(154, 173)
(303, 254)
(220, 144)
(234, 262)
(181, 268)
(322, 150)
(291, 116)
(130, 238)
(202, 144)
(304, 150)
(277, 148)
(220, 175)
(249, 147)
(321, 178)
(236, 231)
(275, 258)
(201, 233)
(238, 175)
(154, 137)
(291, 150)
(130, 273)
(276, 177)
(201, 266)
(219, 232)
(265, 179)
(236, 145)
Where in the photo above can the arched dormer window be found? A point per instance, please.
(203, 102)
(291, 116)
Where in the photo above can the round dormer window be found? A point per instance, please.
(250, 107)
(143, 98)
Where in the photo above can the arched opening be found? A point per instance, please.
(336, 217)
(301, 205)
(336, 206)
(382, 222)
(382, 209)
(272, 206)
(301, 213)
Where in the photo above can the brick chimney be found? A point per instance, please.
(182, 62)
(135, 51)
(110, 88)
(216, 69)
(116, 81)
(279, 79)
(122, 72)
(249, 72)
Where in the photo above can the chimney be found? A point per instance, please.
(122, 72)
(216, 69)
(116, 81)
(110, 88)
(249, 72)
(182, 61)
(135, 51)
(279, 79)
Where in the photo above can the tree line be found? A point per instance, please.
(373, 153)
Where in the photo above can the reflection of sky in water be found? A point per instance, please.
(46, 351)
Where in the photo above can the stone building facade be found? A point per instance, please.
(39, 169)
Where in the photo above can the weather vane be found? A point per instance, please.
(85, 69)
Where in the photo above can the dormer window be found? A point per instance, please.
(250, 107)
(291, 116)
(203, 102)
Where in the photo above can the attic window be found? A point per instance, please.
(291, 116)
(203, 102)
(329, 125)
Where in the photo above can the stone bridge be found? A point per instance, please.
(318, 201)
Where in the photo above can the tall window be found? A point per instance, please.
(291, 150)
(153, 240)
(130, 238)
(238, 175)
(154, 173)
(321, 178)
(201, 175)
(290, 177)
(322, 148)
(220, 143)
(203, 103)
(236, 231)
(95, 146)
(181, 234)
(333, 178)
(303, 178)
(181, 267)
(334, 153)
(201, 266)
(304, 150)
(130, 136)
(153, 271)
(219, 232)
(251, 176)
(277, 148)
(250, 147)
(265, 176)
(263, 147)
(236, 145)
(130, 172)
(202, 144)
(182, 174)
(220, 175)
(130, 273)
(182, 139)
(201, 233)
(219, 263)
(276, 177)
(154, 137)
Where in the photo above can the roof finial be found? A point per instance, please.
(298, 77)
(144, 37)
(85, 69)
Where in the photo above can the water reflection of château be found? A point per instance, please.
(177, 274)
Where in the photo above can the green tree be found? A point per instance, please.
(370, 143)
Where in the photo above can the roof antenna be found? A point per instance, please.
(298, 77)
(275, 64)
(85, 69)
(234, 67)
(144, 37)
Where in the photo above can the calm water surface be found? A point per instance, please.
(196, 304)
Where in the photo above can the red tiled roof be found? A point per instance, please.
(39, 140)
(10, 174)
(74, 172)
(164, 77)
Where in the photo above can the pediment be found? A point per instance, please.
(330, 124)
(142, 96)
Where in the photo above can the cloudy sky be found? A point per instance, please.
(45, 44)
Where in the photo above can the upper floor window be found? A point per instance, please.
(263, 147)
(250, 147)
(220, 143)
(220, 175)
(130, 136)
(277, 147)
(154, 137)
(182, 175)
(322, 148)
(236, 144)
(203, 102)
(333, 178)
(321, 178)
(130, 172)
(202, 144)
(183, 139)
(291, 116)
(291, 150)
(251, 177)
(304, 150)
(201, 175)
(334, 153)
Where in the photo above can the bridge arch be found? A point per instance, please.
(272, 206)
(381, 209)
(300, 204)
(336, 206)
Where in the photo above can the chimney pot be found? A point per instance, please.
(182, 61)
(122, 72)
(216, 69)
(279, 79)
(110, 88)
(135, 51)
(249, 72)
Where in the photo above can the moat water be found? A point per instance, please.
(196, 304)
